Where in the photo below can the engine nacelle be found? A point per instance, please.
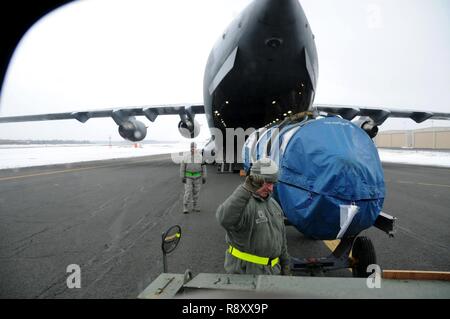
(133, 130)
(189, 129)
(368, 125)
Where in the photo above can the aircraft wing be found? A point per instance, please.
(150, 112)
(379, 115)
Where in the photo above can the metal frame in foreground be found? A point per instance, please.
(223, 286)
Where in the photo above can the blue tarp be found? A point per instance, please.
(327, 163)
(332, 156)
(253, 151)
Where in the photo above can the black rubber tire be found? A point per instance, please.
(364, 254)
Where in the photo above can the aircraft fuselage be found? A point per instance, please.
(262, 68)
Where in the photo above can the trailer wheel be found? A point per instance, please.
(364, 254)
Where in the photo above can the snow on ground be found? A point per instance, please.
(16, 156)
(415, 157)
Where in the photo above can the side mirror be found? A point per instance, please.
(170, 241)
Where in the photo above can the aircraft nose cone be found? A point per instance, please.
(278, 12)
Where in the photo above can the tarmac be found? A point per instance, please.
(108, 217)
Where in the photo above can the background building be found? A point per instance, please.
(431, 138)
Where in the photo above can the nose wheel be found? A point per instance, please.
(363, 255)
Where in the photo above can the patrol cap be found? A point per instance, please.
(266, 169)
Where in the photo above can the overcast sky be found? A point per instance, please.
(95, 54)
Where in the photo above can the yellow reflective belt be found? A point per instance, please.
(193, 174)
(252, 258)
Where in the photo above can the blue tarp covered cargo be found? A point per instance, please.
(325, 165)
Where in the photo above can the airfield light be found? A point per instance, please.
(289, 112)
(277, 120)
(284, 114)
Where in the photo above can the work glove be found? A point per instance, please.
(183, 180)
(203, 180)
(253, 183)
(286, 270)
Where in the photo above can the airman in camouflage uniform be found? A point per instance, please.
(193, 175)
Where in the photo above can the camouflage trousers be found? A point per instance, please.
(191, 192)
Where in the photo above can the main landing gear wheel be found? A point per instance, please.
(364, 255)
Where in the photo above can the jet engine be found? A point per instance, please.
(368, 125)
(133, 130)
(189, 129)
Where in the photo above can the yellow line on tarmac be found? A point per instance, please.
(405, 182)
(425, 184)
(438, 185)
(52, 172)
(332, 244)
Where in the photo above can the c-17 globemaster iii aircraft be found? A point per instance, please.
(262, 73)
(263, 68)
